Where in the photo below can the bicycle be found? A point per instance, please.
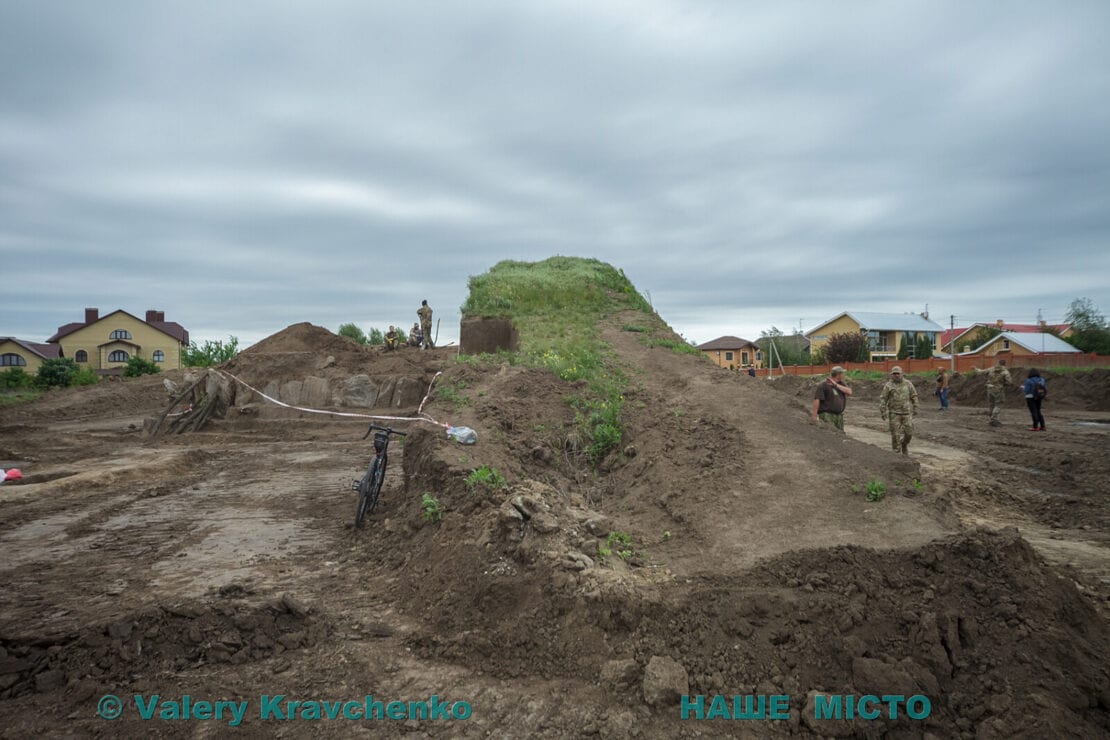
(371, 484)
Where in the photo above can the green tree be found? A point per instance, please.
(792, 348)
(1090, 331)
(377, 336)
(213, 352)
(977, 338)
(56, 372)
(137, 366)
(352, 332)
(848, 346)
(923, 350)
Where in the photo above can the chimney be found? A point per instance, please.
(1000, 323)
(1044, 324)
(92, 315)
(151, 315)
(161, 315)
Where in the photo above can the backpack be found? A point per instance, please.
(1040, 389)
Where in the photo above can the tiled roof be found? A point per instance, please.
(172, 328)
(45, 351)
(726, 342)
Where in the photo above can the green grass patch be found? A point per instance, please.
(487, 477)
(11, 398)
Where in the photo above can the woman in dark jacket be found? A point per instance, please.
(1035, 390)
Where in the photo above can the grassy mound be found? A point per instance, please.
(557, 306)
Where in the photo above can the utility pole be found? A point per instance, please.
(952, 341)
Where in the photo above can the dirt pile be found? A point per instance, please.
(227, 629)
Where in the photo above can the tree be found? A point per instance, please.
(846, 347)
(56, 372)
(977, 338)
(377, 336)
(212, 353)
(923, 350)
(791, 348)
(1090, 331)
(352, 332)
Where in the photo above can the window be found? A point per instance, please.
(120, 334)
(1005, 344)
(159, 356)
(744, 358)
(119, 356)
(81, 356)
(759, 356)
(11, 359)
(728, 356)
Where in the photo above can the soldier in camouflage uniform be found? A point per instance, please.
(998, 377)
(898, 402)
(425, 314)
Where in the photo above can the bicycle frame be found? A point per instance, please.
(370, 486)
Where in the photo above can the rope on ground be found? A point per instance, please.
(349, 414)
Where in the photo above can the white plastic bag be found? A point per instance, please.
(463, 435)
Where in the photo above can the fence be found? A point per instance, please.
(963, 364)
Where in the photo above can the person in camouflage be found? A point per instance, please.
(898, 403)
(998, 377)
(425, 314)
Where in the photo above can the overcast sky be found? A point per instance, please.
(243, 166)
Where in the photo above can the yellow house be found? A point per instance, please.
(106, 343)
(964, 338)
(1012, 343)
(23, 354)
(732, 352)
(886, 332)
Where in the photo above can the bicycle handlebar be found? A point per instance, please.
(387, 430)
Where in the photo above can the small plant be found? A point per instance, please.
(633, 327)
(918, 485)
(666, 536)
(486, 476)
(876, 489)
(433, 512)
(621, 543)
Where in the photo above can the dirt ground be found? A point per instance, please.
(222, 564)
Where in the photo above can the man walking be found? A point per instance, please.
(425, 314)
(998, 377)
(898, 403)
(830, 398)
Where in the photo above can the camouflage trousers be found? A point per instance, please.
(995, 397)
(837, 420)
(901, 431)
(426, 330)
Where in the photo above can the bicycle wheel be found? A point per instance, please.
(364, 488)
(376, 484)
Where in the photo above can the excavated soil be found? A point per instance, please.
(222, 564)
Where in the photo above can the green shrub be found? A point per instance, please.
(84, 376)
(137, 366)
(15, 378)
(351, 331)
(56, 372)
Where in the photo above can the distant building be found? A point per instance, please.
(886, 332)
(964, 338)
(107, 343)
(1022, 344)
(23, 354)
(732, 352)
